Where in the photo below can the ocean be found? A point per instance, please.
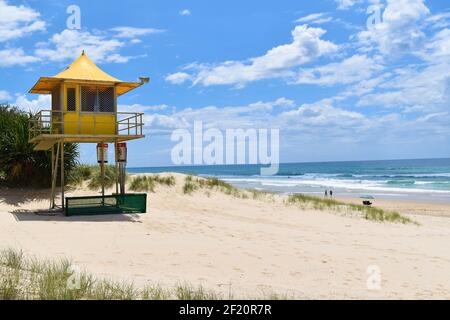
(424, 179)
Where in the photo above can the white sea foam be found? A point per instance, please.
(320, 181)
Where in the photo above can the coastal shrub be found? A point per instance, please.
(20, 164)
(368, 212)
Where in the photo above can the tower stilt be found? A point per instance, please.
(54, 175)
(62, 175)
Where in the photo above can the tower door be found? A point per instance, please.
(71, 110)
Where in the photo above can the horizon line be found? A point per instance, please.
(281, 163)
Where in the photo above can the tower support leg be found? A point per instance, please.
(62, 175)
(54, 175)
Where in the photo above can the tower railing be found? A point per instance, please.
(51, 122)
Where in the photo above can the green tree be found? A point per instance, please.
(20, 164)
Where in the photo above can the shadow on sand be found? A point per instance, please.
(57, 215)
(17, 197)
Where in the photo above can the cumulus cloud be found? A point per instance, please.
(15, 57)
(38, 103)
(415, 88)
(307, 44)
(350, 70)
(399, 30)
(255, 114)
(438, 47)
(304, 125)
(4, 96)
(18, 21)
(178, 77)
(68, 44)
(346, 4)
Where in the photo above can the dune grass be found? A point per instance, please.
(80, 174)
(24, 278)
(192, 184)
(110, 177)
(148, 183)
(368, 212)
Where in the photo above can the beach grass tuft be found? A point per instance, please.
(12, 258)
(110, 177)
(192, 183)
(186, 291)
(149, 182)
(23, 278)
(80, 174)
(368, 212)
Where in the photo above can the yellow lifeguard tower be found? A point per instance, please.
(83, 110)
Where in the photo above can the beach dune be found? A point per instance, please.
(244, 247)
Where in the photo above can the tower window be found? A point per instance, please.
(71, 99)
(97, 99)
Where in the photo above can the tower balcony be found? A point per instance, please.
(49, 126)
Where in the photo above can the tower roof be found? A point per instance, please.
(82, 70)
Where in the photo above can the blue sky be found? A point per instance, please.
(336, 88)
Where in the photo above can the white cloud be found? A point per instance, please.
(100, 46)
(256, 114)
(350, 70)
(306, 46)
(142, 108)
(303, 126)
(346, 4)
(69, 44)
(42, 101)
(400, 29)
(315, 18)
(423, 89)
(4, 96)
(437, 48)
(440, 20)
(15, 56)
(18, 21)
(132, 32)
(178, 77)
(185, 12)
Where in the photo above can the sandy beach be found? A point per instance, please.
(246, 247)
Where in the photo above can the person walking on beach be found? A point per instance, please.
(331, 193)
(326, 193)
